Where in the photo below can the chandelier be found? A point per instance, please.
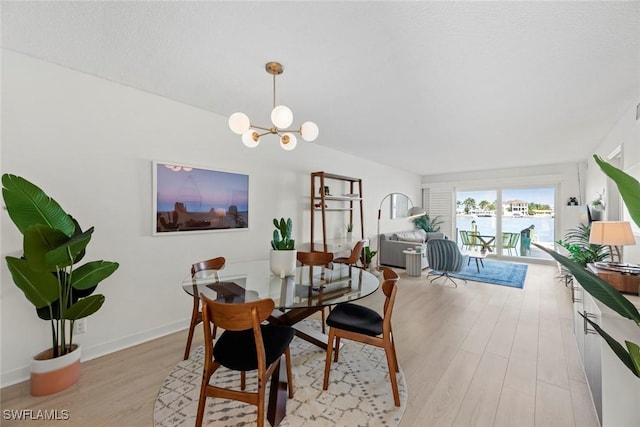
(281, 119)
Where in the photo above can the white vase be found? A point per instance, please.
(349, 236)
(51, 375)
(283, 263)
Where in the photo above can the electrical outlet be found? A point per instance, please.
(80, 326)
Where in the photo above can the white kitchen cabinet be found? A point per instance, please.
(614, 389)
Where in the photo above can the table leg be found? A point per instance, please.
(477, 266)
(278, 394)
(293, 316)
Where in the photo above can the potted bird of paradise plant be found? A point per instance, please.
(53, 243)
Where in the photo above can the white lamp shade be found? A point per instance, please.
(281, 117)
(239, 123)
(288, 141)
(250, 138)
(612, 233)
(309, 131)
(416, 211)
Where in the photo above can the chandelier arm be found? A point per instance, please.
(261, 128)
(291, 130)
(263, 134)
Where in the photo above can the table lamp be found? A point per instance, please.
(612, 234)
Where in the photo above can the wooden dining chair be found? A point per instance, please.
(316, 259)
(352, 259)
(245, 345)
(358, 323)
(214, 264)
(389, 274)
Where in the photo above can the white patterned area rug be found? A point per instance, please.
(359, 392)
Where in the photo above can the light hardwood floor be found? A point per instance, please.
(476, 355)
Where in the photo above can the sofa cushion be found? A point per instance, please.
(410, 236)
(435, 235)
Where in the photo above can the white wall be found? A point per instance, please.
(626, 134)
(89, 143)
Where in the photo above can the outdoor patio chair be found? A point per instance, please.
(467, 241)
(510, 242)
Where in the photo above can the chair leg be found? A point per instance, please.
(206, 377)
(337, 349)
(287, 356)
(261, 401)
(392, 363)
(395, 355)
(243, 380)
(323, 321)
(196, 317)
(327, 363)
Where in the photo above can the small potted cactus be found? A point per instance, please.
(283, 252)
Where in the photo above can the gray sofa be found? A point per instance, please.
(391, 245)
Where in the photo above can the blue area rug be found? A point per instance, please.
(495, 272)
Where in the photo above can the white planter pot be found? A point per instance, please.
(49, 376)
(283, 263)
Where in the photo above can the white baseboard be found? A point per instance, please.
(18, 375)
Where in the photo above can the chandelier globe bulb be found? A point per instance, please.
(251, 138)
(281, 117)
(288, 141)
(239, 123)
(309, 131)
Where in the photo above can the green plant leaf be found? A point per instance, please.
(617, 348)
(85, 307)
(38, 240)
(40, 287)
(597, 287)
(75, 245)
(634, 352)
(628, 186)
(27, 205)
(92, 273)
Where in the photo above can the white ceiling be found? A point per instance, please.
(429, 87)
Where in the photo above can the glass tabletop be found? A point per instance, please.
(253, 280)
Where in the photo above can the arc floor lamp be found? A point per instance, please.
(398, 209)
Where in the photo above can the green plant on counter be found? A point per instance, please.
(427, 224)
(282, 240)
(349, 228)
(53, 243)
(629, 354)
(581, 251)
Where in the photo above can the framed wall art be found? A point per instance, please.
(196, 199)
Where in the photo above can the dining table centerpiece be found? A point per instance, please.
(282, 259)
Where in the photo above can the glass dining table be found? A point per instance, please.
(296, 297)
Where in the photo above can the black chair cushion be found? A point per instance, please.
(355, 318)
(236, 350)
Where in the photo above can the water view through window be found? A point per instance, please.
(506, 222)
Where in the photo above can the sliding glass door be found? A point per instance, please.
(506, 221)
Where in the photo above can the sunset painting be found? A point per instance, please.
(197, 199)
